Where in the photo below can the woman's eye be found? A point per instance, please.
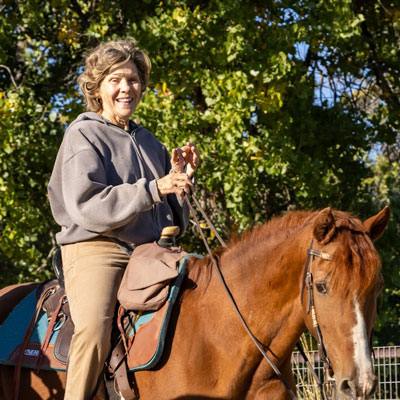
(321, 287)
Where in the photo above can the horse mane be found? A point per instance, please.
(276, 229)
(356, 262)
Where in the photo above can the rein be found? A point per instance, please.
(307, 283)
(258, 344)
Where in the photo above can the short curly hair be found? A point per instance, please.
(102, 59)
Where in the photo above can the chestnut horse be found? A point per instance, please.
(208, 353)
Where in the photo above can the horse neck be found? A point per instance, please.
(265, 281)
(266, 287)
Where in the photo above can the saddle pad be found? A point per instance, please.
(150, 328)
(12, 332)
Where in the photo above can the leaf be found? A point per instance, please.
(53, 116)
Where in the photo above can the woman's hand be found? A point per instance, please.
(190, 158)
(178, 183)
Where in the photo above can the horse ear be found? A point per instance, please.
(324, 226)
(375, 226)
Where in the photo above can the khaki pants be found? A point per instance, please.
(93, 271)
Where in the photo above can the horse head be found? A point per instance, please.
(339, 293)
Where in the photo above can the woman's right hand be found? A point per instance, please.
(178, 183)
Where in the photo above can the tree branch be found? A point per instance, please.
(376, 64)
(11, 75)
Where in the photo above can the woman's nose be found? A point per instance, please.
(124, 85)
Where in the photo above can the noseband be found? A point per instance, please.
(308, 284)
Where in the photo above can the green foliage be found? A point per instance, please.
(285, 100)
(384, 188)
(28, 139)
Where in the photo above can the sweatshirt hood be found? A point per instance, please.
(93, 116)
(90, 115)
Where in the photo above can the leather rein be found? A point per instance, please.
(258, 344)
(307, 283)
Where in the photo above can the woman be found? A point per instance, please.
(113, 187)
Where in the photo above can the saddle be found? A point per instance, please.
(139, 338)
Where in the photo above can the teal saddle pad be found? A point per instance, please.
(13, 329)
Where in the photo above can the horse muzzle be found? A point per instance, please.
(359, 388)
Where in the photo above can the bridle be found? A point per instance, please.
(308, 284)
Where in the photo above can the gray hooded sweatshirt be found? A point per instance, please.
(104, 184)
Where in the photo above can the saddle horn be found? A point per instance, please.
(168, 236)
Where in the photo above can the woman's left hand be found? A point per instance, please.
(190, 158)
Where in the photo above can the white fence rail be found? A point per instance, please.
(386, 364)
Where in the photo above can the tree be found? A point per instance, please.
(285, 99)
(383, 187)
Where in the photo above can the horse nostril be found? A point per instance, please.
(346, 388)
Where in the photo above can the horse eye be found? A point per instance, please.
(321, 287)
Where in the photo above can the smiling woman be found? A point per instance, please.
(113, 187)
(106, 59)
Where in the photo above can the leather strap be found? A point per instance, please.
(49, 331)
(120, 369)
(308, 284)
(121, 311)
(25, 340)
(258, 344)
(196, 202)
(122, 326)
(311, 369)
(209, 223)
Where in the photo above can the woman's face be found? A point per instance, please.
(120, 93)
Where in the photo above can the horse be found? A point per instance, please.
(209, 355)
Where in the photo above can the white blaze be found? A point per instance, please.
(362, 356)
